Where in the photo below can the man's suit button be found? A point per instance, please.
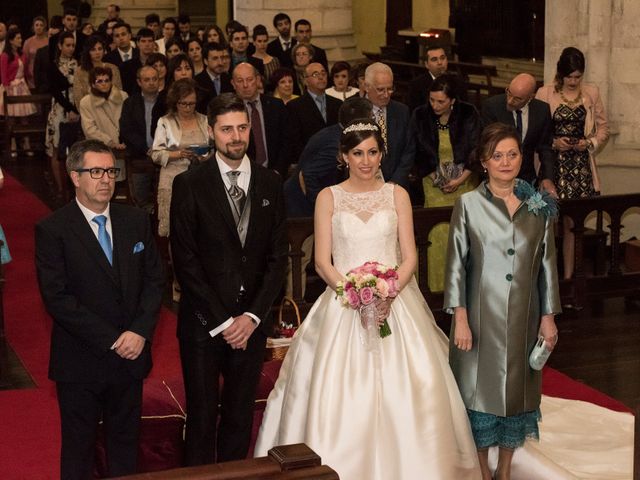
(244, 259)
(509, 277)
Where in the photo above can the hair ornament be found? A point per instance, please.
(361, 127)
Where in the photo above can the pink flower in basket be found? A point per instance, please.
(366, 295)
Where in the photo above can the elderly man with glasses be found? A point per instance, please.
(312, 111)
(532, 118)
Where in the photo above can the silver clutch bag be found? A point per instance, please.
(539, 354)
(445, 172)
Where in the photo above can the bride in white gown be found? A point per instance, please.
(392, 415)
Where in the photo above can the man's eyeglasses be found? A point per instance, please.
(383, 90)
(509, 94)
(102, 81)
(98, 172)
(321, 74)
(187, 104)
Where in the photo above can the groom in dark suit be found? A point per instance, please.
(532, 118)
(101, 280)
(229, 246)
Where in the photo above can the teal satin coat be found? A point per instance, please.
(503, 271)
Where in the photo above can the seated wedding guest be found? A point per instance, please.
(173, 47)
(339, 80)
(169, 28)
(124, 51)
(159, 62)
(214, 34)
(214, 80)
(92, 57)
(140, 115)
(301, 56)
(100, 112)
(39, 39)
(260, 41)
(498, 317)
(581, 131)
(445, 130)
(129, 70)
(311, 112)
(177, 135)
(282, 81)
(397, 395)
(13, 74)
(194, 50)
(63, 109)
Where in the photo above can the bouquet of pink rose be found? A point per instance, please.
(366, 284)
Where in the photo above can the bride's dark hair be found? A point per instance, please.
(356, 132)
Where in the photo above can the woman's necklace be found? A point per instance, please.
(571, 103)
(441, 126)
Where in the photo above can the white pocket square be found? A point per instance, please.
(138, 247)
(265, 202)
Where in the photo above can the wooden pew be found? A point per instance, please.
(35, 124)
(287, 462)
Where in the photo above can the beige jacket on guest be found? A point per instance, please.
(81, 86)
(596, 126)
(100, 117)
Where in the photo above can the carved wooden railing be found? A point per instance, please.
(608, 279)
(286, 462)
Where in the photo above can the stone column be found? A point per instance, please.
(606, 32)
(331, 22)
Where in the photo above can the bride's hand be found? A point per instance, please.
(383, 306)
(462, 337)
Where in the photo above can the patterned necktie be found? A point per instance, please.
(382, 123)
(103, 237)
(237, 194)
(126, 57)
(258, 137)
(519, 123)
(322, 107)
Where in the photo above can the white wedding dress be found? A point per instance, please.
(397, 417)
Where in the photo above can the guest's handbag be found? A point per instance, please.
(446, 172)
(69, 134)
(539, 354)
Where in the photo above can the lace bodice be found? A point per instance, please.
(364, 228)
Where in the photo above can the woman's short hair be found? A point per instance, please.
(96, 72)
(155, 58)
(571, 60)
(298, 46)
(490, 137)
(357, 132)
(337, 68)
(177, 91)
(281, 73)
(445, 84)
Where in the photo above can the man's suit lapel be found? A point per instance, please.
(78, 224)
(256, 203)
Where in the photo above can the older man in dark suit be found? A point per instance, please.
(393, 119)
(311, 112)
(268, 120)
(101, 280)
(532, 118)
(229, 245)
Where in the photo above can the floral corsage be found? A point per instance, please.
(537, 202)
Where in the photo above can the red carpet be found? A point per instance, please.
(30, 439)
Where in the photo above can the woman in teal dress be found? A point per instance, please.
(445, 130)
(502, 288)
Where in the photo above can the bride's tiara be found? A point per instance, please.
(361, 127)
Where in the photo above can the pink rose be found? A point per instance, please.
(352, 298)
(366, 295)
(382, 287)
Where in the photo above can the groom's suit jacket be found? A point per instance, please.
(212, 265)
(537, 140)
(92, 302)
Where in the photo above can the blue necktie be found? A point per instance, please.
(216, 83)
(103, 237)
